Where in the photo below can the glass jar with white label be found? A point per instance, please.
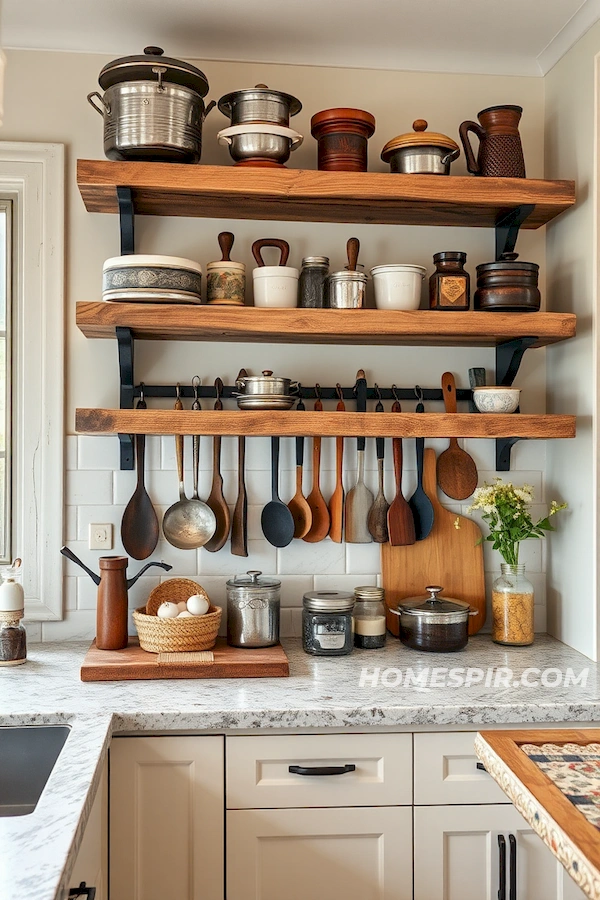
(327, 625)
(369, 618)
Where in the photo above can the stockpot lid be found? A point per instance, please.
(252, 579)
(140, 68)
(508, 261)
(260, 92)
(328, 601)
(419, 137)
(446, 607)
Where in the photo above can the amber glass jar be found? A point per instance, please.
(450, 285)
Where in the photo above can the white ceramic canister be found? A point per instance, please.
(398, 286)
(275, 287)
(225, 283)
(12, 595)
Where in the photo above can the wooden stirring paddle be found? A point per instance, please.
(336, 503)
(401, 524)
(319, 528)
(456, 470)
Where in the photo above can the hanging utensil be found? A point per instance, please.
(319, 528)
(336, 503)
(216, 500)
(352, 250)
(359, 499)
(239, 521)
(139, 525)
(420, 504)
(377, 521)
(187, 524)
(456, 470)
(401, 524)
(298, 505)
(276, 520)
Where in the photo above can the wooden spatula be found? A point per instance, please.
(319, 528)
(456, 470)
(336, 503)
(378, 514)
(400, 521)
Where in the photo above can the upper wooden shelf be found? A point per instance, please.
(321, 326)
(170, 189)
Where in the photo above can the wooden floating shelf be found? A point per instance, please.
(170, 189)
(326, 424)
(321, 326)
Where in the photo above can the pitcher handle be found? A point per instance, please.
(465, 127)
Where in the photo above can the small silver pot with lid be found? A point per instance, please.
(345, 290)
(253, 609)
(259, 104)
(267, 383)
(439, 624)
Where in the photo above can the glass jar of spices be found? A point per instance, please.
(327, 627)
(311, 285)
(369, 618)
(450, 285)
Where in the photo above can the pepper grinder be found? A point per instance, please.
(13, 640)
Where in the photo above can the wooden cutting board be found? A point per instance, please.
(450, 556)
(135, 664)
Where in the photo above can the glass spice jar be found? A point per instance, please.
(450, 284)
(327, 626)
(369, 618)
(13, 641)
(311, 284)
(512, 607)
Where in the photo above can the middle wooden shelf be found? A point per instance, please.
(325, 424)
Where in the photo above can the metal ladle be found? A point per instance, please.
(187, 524)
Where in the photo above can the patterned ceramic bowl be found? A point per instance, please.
(496, 399)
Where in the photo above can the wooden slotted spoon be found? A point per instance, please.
(319, 528)
(298, 505)
(456, 470)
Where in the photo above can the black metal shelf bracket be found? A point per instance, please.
(503, 448)
(126, 220)
(507, 227)
(508, 359)
(126, 391)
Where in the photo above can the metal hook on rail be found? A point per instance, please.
(419, 393)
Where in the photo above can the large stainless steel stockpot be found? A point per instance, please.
(259, 104)
(253, 607)
(152, 108)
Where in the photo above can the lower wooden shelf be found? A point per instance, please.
(325, 424)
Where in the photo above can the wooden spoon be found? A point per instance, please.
(226, 240)
(420, 504)
(352, 250)
(319, 528)
(378, 514)
(239, 521)
(276, 519)
(216, 500)
(456, 470)
(298, 505)
(139, 525)
(401, 524)
(336, 503)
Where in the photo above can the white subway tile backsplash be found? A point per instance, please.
(71, 453)
(303, 558)
(363, 557)
(88, 487)
(344, 582)
(71, 523)
(184, 562)
(88, 515)
(293, 588)
(98, 452)
(70, 593)
(77, 625)
(261, 555)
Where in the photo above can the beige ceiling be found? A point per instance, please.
(521, 37)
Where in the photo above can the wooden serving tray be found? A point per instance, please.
(135, 664)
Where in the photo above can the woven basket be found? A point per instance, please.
(176, 635)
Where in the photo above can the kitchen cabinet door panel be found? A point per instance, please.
(91, 865)
(319, 854)
(446, 771)
(166, 818)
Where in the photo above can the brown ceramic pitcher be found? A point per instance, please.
(500, 150)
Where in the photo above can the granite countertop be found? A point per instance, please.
(391, 688)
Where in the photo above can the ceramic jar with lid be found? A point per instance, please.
(253, 610)
(13, 640)
(327, 625)
(450, 284)
(311, 286)
(508, 285)
(421, 152)
(342, 135)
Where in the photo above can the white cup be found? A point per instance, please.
(398, 286)
(275, 287)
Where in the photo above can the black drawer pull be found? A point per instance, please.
(82, 891)
(322, 770)
(512, 872)
(501, 867)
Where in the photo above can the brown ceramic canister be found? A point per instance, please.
(450, 285)
(507, 285)
(342, 135)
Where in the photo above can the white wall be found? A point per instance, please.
(571, 141)
(45, 100)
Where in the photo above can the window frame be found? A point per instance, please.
(32, 175)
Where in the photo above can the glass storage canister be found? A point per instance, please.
(253, 610)
(369, 618)
(13, 640)
(512, 607)
(450, 284)
(311, 285)
(327, 626)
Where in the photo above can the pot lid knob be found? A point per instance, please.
(434, 590)
(268, 372)
(509, 257)
(153, 51)
(254, 573)
(420, 125)
(262, 87)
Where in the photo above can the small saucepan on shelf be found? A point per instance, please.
(151, 279)
(421, 152)
(266, 391)
(434, 623)
(275, 287)
(259, 104)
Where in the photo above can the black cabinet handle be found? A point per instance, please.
(512, 877)
(322, 770)
(481, 767)
(502, 867)
(82, 891)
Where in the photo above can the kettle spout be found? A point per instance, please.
(70, 555)
(161, 565)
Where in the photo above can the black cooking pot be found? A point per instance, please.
(438, 624)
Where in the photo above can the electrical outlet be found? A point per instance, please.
(100, 536)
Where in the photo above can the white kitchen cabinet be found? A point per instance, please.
(91, 865)
(456, 856)
(167, 818)
(317, 854)
(446, 771)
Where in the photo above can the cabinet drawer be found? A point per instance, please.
(259, 777)
(446, 771)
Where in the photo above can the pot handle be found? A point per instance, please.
(105, 106)
(279, 244)
(450, 157)
(209, 106)
(464, 129)
(395, 611)
(473, 611)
